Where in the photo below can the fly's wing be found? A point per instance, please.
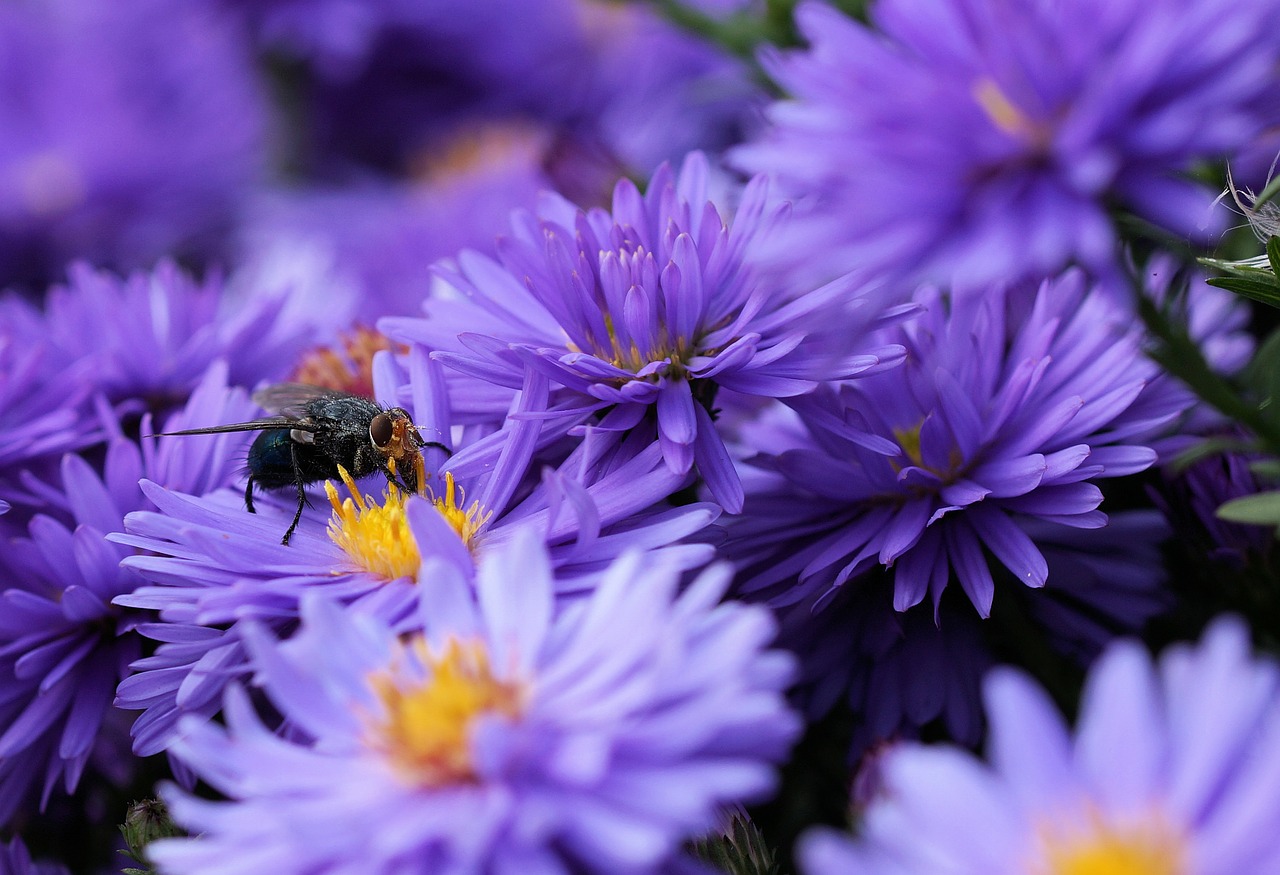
(291, 402)
(251, 425)
(295, 401)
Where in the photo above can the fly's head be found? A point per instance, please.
(395, 437)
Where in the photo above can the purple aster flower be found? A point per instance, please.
(895, 672)
(990, 423)
(200, 467)
(43, 413)
(1173, 769)
(899, 672)
(131, 130)
(151, 336)
(336, 34)
(984, 141)
(63, 646)
(1190, 498)
(1104, 583)
(210, 565)
(506, 736)
(476, 45)
(646, 310)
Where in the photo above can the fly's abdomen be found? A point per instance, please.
(271, 458)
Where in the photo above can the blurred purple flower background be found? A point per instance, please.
(771, 380)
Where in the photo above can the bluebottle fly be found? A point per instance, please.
(314, 430)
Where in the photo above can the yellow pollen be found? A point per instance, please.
(425, 727)
(632, 358)
(465, 522)
(1151, 848)
(349, 369)
(376, 536)
(909, 440)
(1004, 113)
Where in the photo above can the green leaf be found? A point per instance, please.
(1208, 447)
(1264, 292)
(1262, 509)
(1256, 267)
(1272, 188)
(1262, 376)
(1268, 469)
(1273, 254)
(741, 850)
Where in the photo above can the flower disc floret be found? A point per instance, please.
(375, 535)
(426, 722)
(1146, 846)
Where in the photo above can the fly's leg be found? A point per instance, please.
(248, 495)
(391, 478)
(302, 493)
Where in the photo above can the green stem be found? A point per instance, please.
(1180, 355)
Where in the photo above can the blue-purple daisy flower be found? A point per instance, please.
(898, 672)
(149, 338)
(63, 645)
(1190, 498)
(391, 83)
(43, 400)
(208, 564)
(985, 141)
(647, 310)
(506, 736)
(388, 83)
(1173, 769)
(925, 468)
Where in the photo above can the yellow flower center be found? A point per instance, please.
(376, 536)
(349, 369)
(1007, 116)
(909, 440)
(627, 355)
(465, 522)
(1144, 848)
(425, 727)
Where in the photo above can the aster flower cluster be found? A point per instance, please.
(501, 437)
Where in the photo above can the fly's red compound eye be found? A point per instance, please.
(381, 430)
